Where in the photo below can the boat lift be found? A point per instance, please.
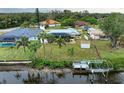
(86, 67)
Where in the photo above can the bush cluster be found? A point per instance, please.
(41, 63)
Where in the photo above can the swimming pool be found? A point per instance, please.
(7, 44)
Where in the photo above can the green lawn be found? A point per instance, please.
(54, 53)
(13, 54)
(116, 56)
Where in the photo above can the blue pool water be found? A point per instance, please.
(7, 44)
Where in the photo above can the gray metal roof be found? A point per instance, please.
(69, 31)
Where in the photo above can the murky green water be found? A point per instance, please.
(40, 77)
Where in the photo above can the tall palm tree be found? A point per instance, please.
(42, 36)
(23, 42)
(37, 17)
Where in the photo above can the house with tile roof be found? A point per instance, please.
(50, 23)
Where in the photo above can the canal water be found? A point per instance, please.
(49, 77)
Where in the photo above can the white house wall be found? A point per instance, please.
(53, 25)
(33, 38)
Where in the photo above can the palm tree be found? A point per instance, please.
(37, 17)
(24, 42)
(60, 41)
(42, 36)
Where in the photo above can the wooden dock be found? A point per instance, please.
(14, 62)
(83, 67)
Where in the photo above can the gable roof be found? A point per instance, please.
(50, 21)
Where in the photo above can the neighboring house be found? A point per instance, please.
(96, 34)
(68, 35)
(50, 23)
(70, 32)
(16, 34)
(80, 23)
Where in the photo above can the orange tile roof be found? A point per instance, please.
(50, 21)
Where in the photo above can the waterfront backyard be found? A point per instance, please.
(54, 53)
(61, 48)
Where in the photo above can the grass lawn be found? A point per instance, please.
(54, 53)
(13, 54)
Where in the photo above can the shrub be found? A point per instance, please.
(117, 63)
(121, 41)
(41, 63)
(89, 19)
(71, 51)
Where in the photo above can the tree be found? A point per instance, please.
(69, 22)
(37, 17)
(34, 45)
(42, 36)
(67, 11)
(89, 19)
(121, 41)
(33, 21)
(113, 26)
(26, 24)
(85, 13)
(24, 42)
(60, 41)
